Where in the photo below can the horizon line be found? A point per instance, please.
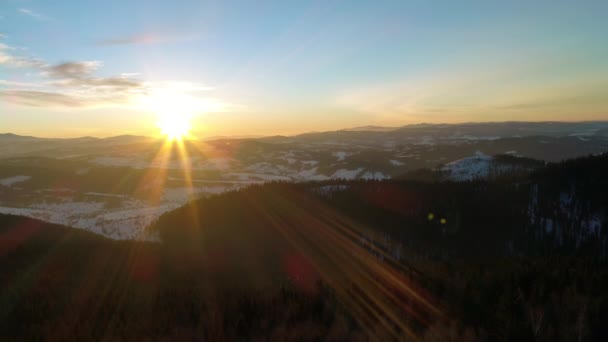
(253, 136)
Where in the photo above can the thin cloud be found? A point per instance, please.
(522, 106)
(65, 100)
(73, 69)
(129, 74)
(33, 14)
(9, 58)
(7, 83)
(138, 39)
(68, 85)
(74, 84)
(147, 38)
(40, 98)
(79, 75)
(101, 84)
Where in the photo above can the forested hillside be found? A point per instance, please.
(552, 210)
(515, 258)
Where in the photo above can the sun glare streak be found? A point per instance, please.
(377, 292)
(152, 184)
(186, 166)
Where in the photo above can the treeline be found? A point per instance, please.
(558, 209)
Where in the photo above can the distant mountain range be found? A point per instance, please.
(492, 138)
(370, 129)
(462, 130)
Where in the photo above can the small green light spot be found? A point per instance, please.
(431, 216)
(443, 221)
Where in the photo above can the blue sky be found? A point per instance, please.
(70, 68)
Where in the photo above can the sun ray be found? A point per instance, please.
(371, 287)
(186, 166)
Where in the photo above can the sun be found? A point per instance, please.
(175, 113)
(174, 126)
(178, 111)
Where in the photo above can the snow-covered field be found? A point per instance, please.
(126, 221)
(116, 224)
(123, 216)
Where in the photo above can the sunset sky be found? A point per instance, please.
(102, 68)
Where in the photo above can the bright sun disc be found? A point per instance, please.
(174, 126)
(176, 111)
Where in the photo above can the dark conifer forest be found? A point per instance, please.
(518, 258)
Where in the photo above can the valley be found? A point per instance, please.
(118, 186)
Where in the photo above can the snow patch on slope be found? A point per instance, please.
(311, 175)
(346, 174)
(14, 180)
(341, 155)
(329, 190)
(468, 168)
(375, 175)
(127, 222)
(256, 177)
(310, 162)
(216, 164)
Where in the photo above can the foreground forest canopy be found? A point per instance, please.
(512, 258)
